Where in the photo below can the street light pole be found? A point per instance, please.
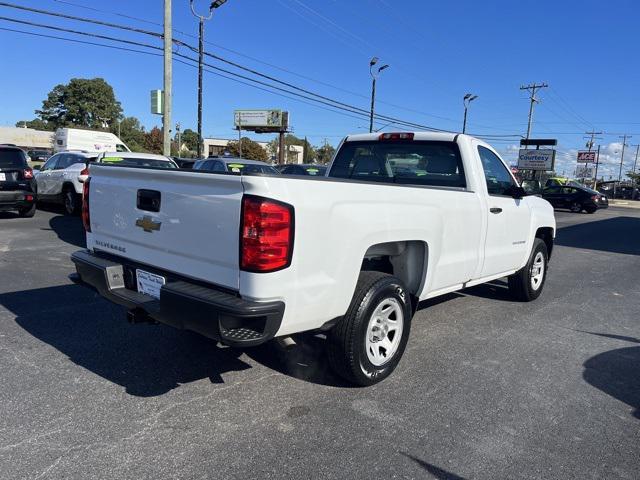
(215, 4)
(168, 80)
(374, 77)
(466, 100)
(624, 144)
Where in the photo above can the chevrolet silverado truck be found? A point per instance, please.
(398, 218)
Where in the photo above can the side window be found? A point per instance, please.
(50, 164)
(121, 148)
(498, 178)
(217, 166)
(62, 162)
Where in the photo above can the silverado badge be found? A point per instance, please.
(148, 224)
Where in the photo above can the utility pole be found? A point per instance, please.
(591, 137)
(281, 147)
(624, 144)
(179, 138)
(240, 136)
(635, 162)
(215, 4)
(168, 80)
(595, 178)
(532, 88)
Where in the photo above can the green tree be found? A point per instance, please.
(131, 132)
(325, 153)
(153, 141)
(190, 139)
(309, 155)
(250, 150)
(88, 103)
(635, 177)
(36, 123)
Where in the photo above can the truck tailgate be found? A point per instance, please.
(194, 232)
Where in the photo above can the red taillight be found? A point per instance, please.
(594, 197)
(85, 170)
(396, 136)
(266, 234)
(27, 173)
(86, 219)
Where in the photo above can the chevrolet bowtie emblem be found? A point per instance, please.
(148, 224)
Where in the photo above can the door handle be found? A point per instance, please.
(495, 210)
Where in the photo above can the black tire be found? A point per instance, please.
(28, 212)
(591, 210)
(71, 201)
(521, 283)
(575, 207)
(347, 340)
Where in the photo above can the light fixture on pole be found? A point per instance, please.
(466, 100)
(215, 4)
(374, 77)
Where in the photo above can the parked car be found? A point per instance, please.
(302, 169)
(136, 159)
(575, 198)
(400, 217)
(185, 163)
(60, 179)
(38, 156)
(18, 187)
(233, 165)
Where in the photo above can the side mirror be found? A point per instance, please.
(517, 192)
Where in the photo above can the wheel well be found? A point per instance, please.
(406, 260)
(546, 235)
(68, 186)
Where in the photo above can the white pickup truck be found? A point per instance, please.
(399, 218)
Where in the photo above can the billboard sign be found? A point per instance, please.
(583, 171)
(261, 120)
(536, 159)
(586, 157)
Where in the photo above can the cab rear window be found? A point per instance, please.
(434, 163)
(11, 158)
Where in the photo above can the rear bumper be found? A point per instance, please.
(206, 310)
(16, 199)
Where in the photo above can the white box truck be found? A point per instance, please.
(88, 141)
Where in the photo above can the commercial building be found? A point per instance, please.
(217, 146)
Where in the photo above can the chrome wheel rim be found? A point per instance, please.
(537, 271)
(384, 331)
(69, 202)
(575, 207)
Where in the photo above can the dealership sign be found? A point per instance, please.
(536, 159)
(586, 157)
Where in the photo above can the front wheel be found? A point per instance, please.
(366, 345)
(575, 207)
(527, 283)
(71, 202)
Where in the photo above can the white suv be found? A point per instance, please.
(60, 179)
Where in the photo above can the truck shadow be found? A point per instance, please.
(437, 472)
(68, 228)
(609, 235)
(616, 372)
(147, 360)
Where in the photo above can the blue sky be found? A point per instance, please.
(437, 52)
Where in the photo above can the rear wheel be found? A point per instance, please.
(527, 283)
(366, 345)
(71, 201)
(575, 207)
(27, 212)
(591, 209)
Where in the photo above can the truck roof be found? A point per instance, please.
(437, 136)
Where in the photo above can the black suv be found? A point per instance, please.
(17, 184)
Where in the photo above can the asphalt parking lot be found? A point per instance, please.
(488, 388)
